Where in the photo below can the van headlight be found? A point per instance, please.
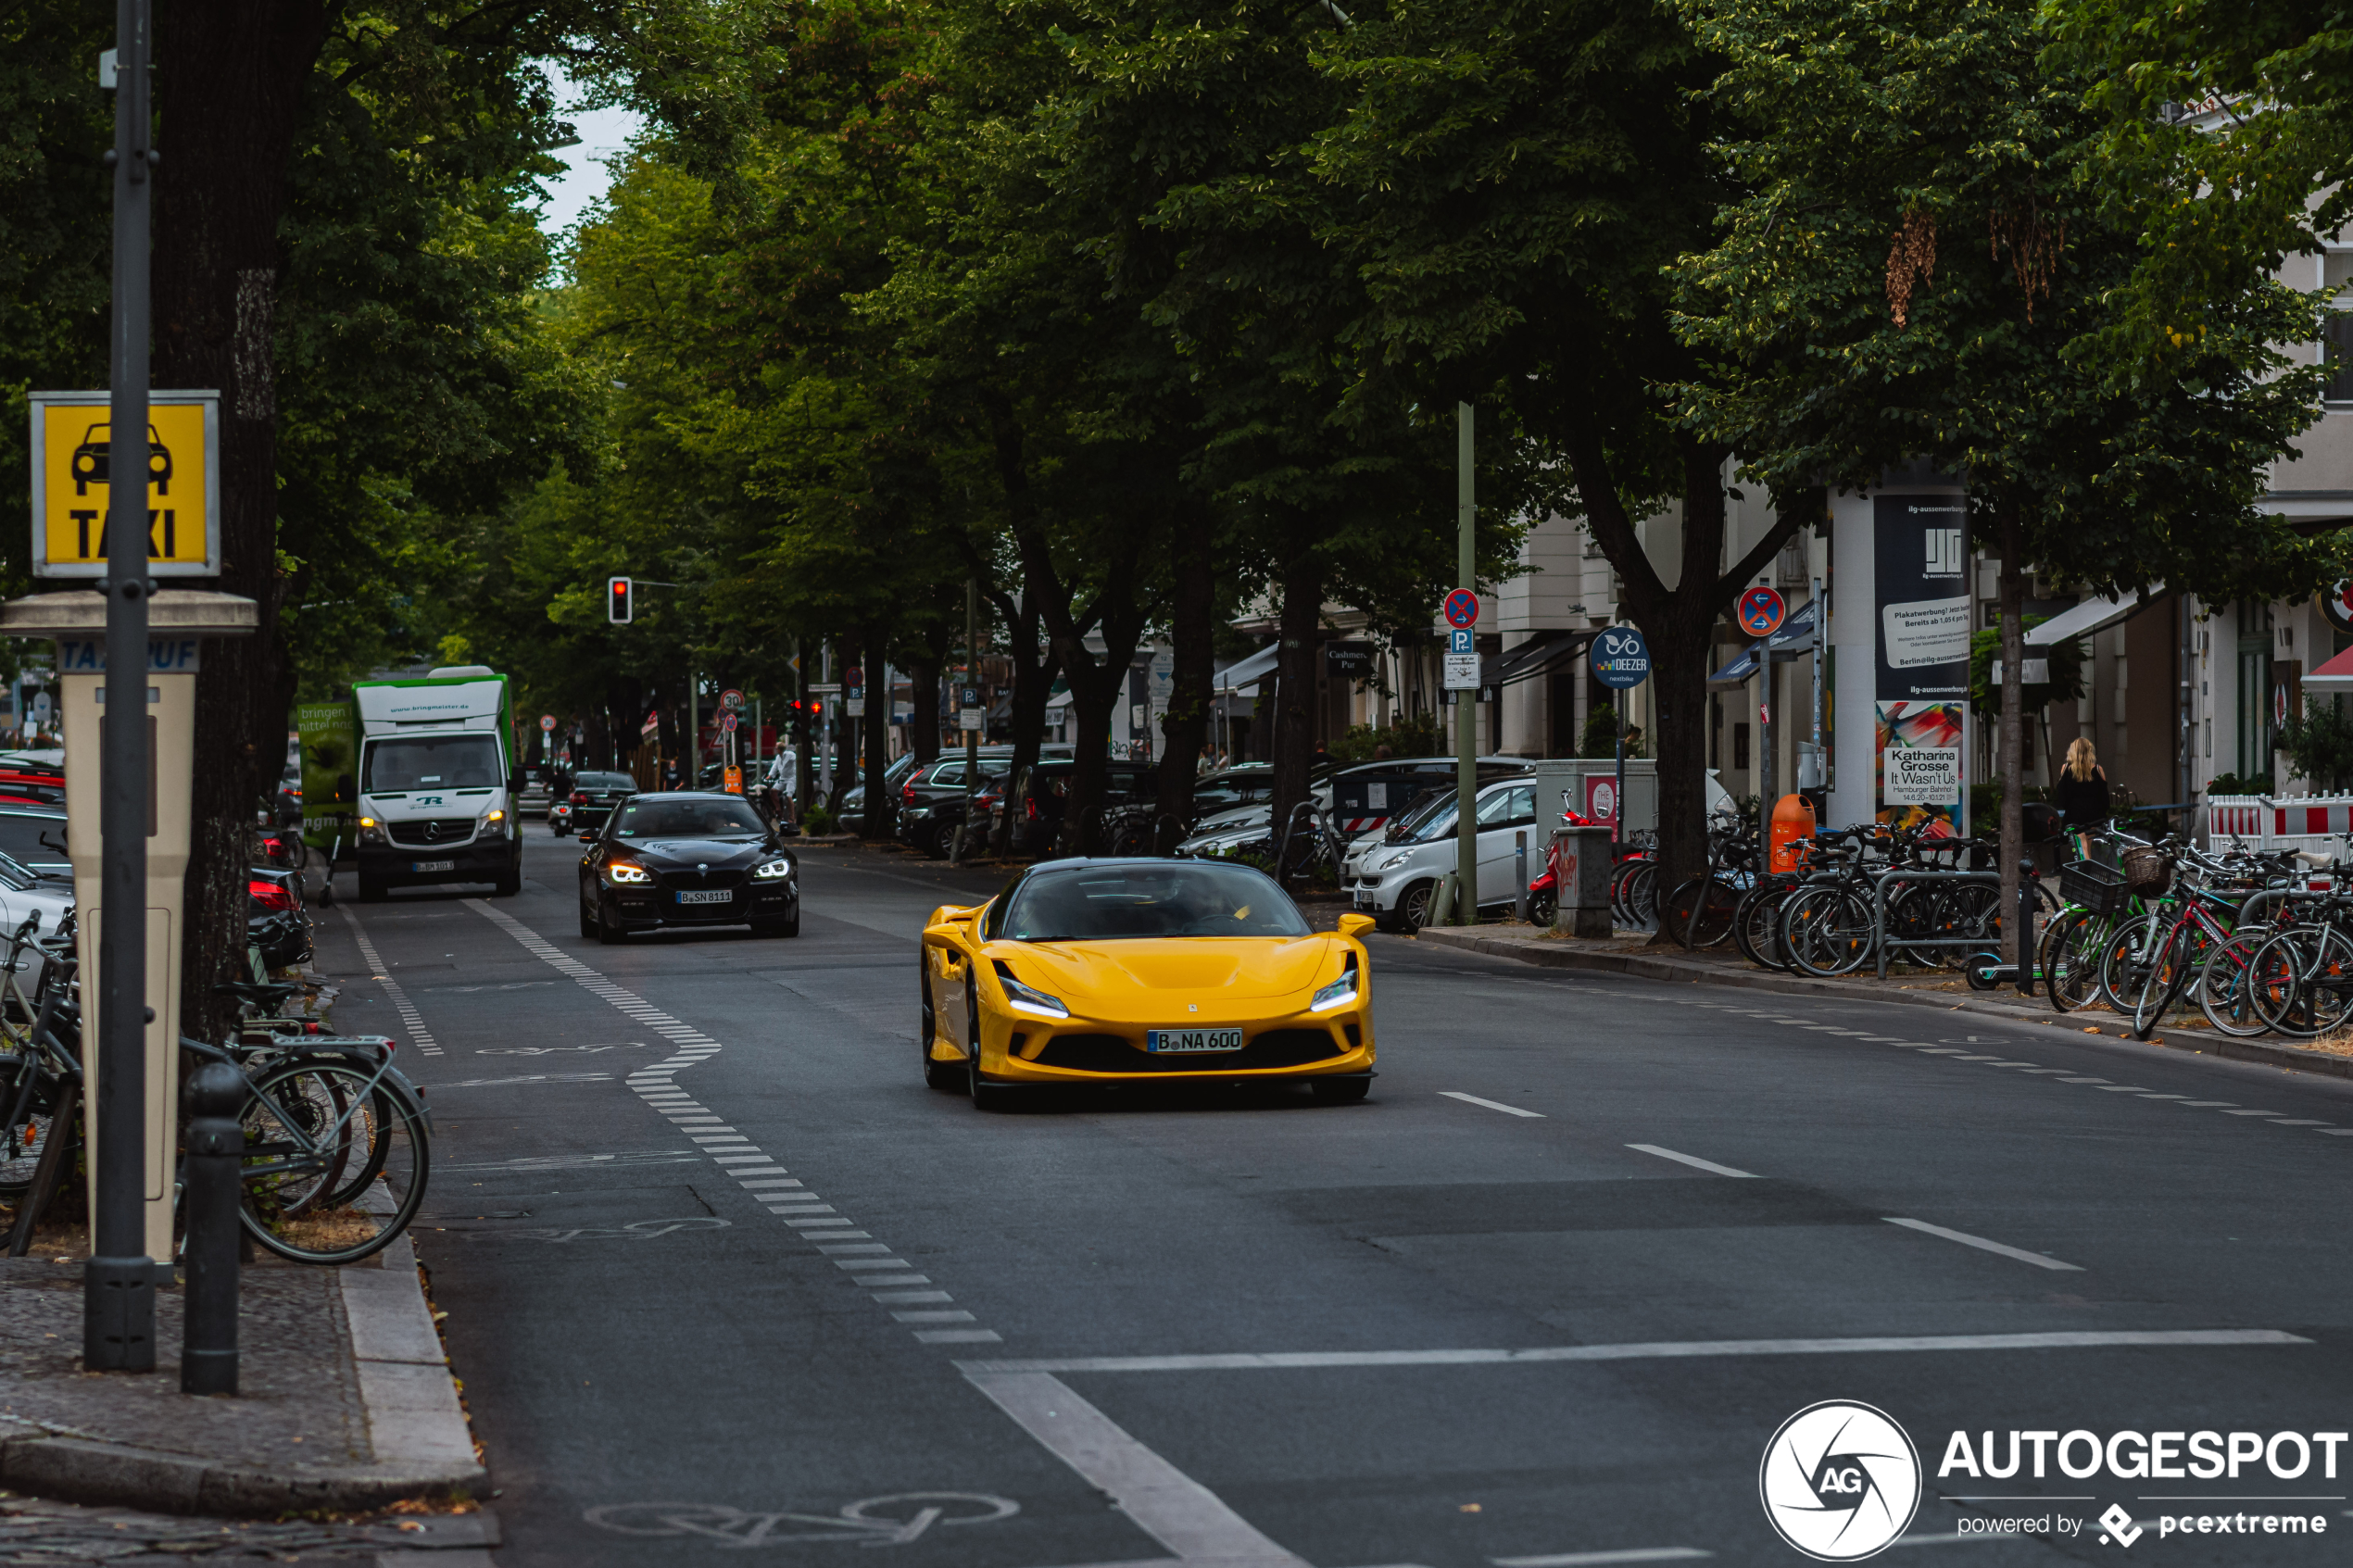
(1339, 993)
(370, 831)
(493, 826)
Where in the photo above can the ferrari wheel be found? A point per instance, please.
(987, 1096)
(944, 1076)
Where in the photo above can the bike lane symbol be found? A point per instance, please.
(894, 1519)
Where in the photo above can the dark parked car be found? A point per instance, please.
(931, 803)
(21, 830)
(591, 801)
(686, 857)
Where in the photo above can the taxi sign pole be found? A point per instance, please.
(972, 737)
(118, 1293)
(1466, 703)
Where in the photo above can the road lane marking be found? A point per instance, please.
(904, 1297)
(1491, 1104)
(2250, 1113)
(1277, 1360)
(958, 1337)
(410, 1019)
(1980, 1242)
(1693, 1161)
(1166, 1503)
(723, 1146)
(949, 1316)
(1580, 1558)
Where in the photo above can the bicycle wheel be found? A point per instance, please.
(2224, 993)
(335, 1162)
(2072, 947)
(1828, 931)
(1642, 896)
(2157, 978)
(1711, 900)
(1753, 920)
(2297, 981)
(1917, 912)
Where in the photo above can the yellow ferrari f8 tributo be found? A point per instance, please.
(1116, 969)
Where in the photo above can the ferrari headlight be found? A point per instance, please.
(771, 870)
(1339, 993)
(621, 873)
(1028, 998)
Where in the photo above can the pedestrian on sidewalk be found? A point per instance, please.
(2081, 793)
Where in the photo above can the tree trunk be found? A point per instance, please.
(1034, 670)
(1299, 642)
(877, 822)
(923, 731)
(2013, 611)
(1185, 731)
(228, 85)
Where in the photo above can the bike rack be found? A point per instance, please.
(1879, 909)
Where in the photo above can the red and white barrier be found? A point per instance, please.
(2315, 822)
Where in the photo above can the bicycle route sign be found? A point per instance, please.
(1462, 607)
(1620, 657)
(1761, 610)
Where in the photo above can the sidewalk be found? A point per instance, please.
(346, 1400)
(1629, 953)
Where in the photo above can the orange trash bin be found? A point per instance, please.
(1792, 832)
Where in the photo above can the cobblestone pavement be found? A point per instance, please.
(33, 1531)
(298, 1401)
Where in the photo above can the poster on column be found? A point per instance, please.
(1920, 546)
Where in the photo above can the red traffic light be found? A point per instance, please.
(618, 608)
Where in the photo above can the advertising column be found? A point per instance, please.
(1921, 680)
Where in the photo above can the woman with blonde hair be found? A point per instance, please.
(2081, 793)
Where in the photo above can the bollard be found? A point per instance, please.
(2026, 884)
(216, 1094)
(1519, 876)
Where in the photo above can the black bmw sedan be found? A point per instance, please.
(686, 857)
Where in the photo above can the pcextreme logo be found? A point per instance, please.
(1840, 1480)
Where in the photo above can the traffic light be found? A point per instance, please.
(617, 605)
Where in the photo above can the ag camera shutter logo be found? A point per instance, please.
(1840, 1480)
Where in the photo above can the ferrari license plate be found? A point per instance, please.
(434, 866)
(1169, 1041)
(708, 895)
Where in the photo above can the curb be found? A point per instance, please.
(1649, 966)
(415, 1428)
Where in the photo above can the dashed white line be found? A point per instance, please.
(1980, 1242)
(1491, 1104)
(1693, 1161)
(410, 1019)
(739, 1156)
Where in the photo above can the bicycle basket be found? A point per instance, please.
(2147, 871)
(2097, 888)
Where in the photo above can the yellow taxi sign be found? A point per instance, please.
(74, 460)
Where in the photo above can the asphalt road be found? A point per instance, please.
(724, 1279)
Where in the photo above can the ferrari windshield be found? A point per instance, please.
(1128, 899)
(693, 817)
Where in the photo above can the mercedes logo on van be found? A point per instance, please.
(1840, 1480)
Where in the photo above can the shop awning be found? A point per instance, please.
(2336, 675)
(1547, 651)
(2090, 616)
(1796, 636)
(1246, 671)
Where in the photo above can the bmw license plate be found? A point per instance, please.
(1170, 1041)
(707, 895)
(422, 866)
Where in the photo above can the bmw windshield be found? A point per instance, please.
(655, 817)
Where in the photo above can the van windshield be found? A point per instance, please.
(399, 763)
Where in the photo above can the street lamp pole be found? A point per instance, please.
(118, 1293)
(1466, 703)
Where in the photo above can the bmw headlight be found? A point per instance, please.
(1028, 998)
(1339, 993)
(622, 874)
(771, 870)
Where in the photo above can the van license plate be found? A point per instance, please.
(1172, 1041)
(423, 866)
(710, 895)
